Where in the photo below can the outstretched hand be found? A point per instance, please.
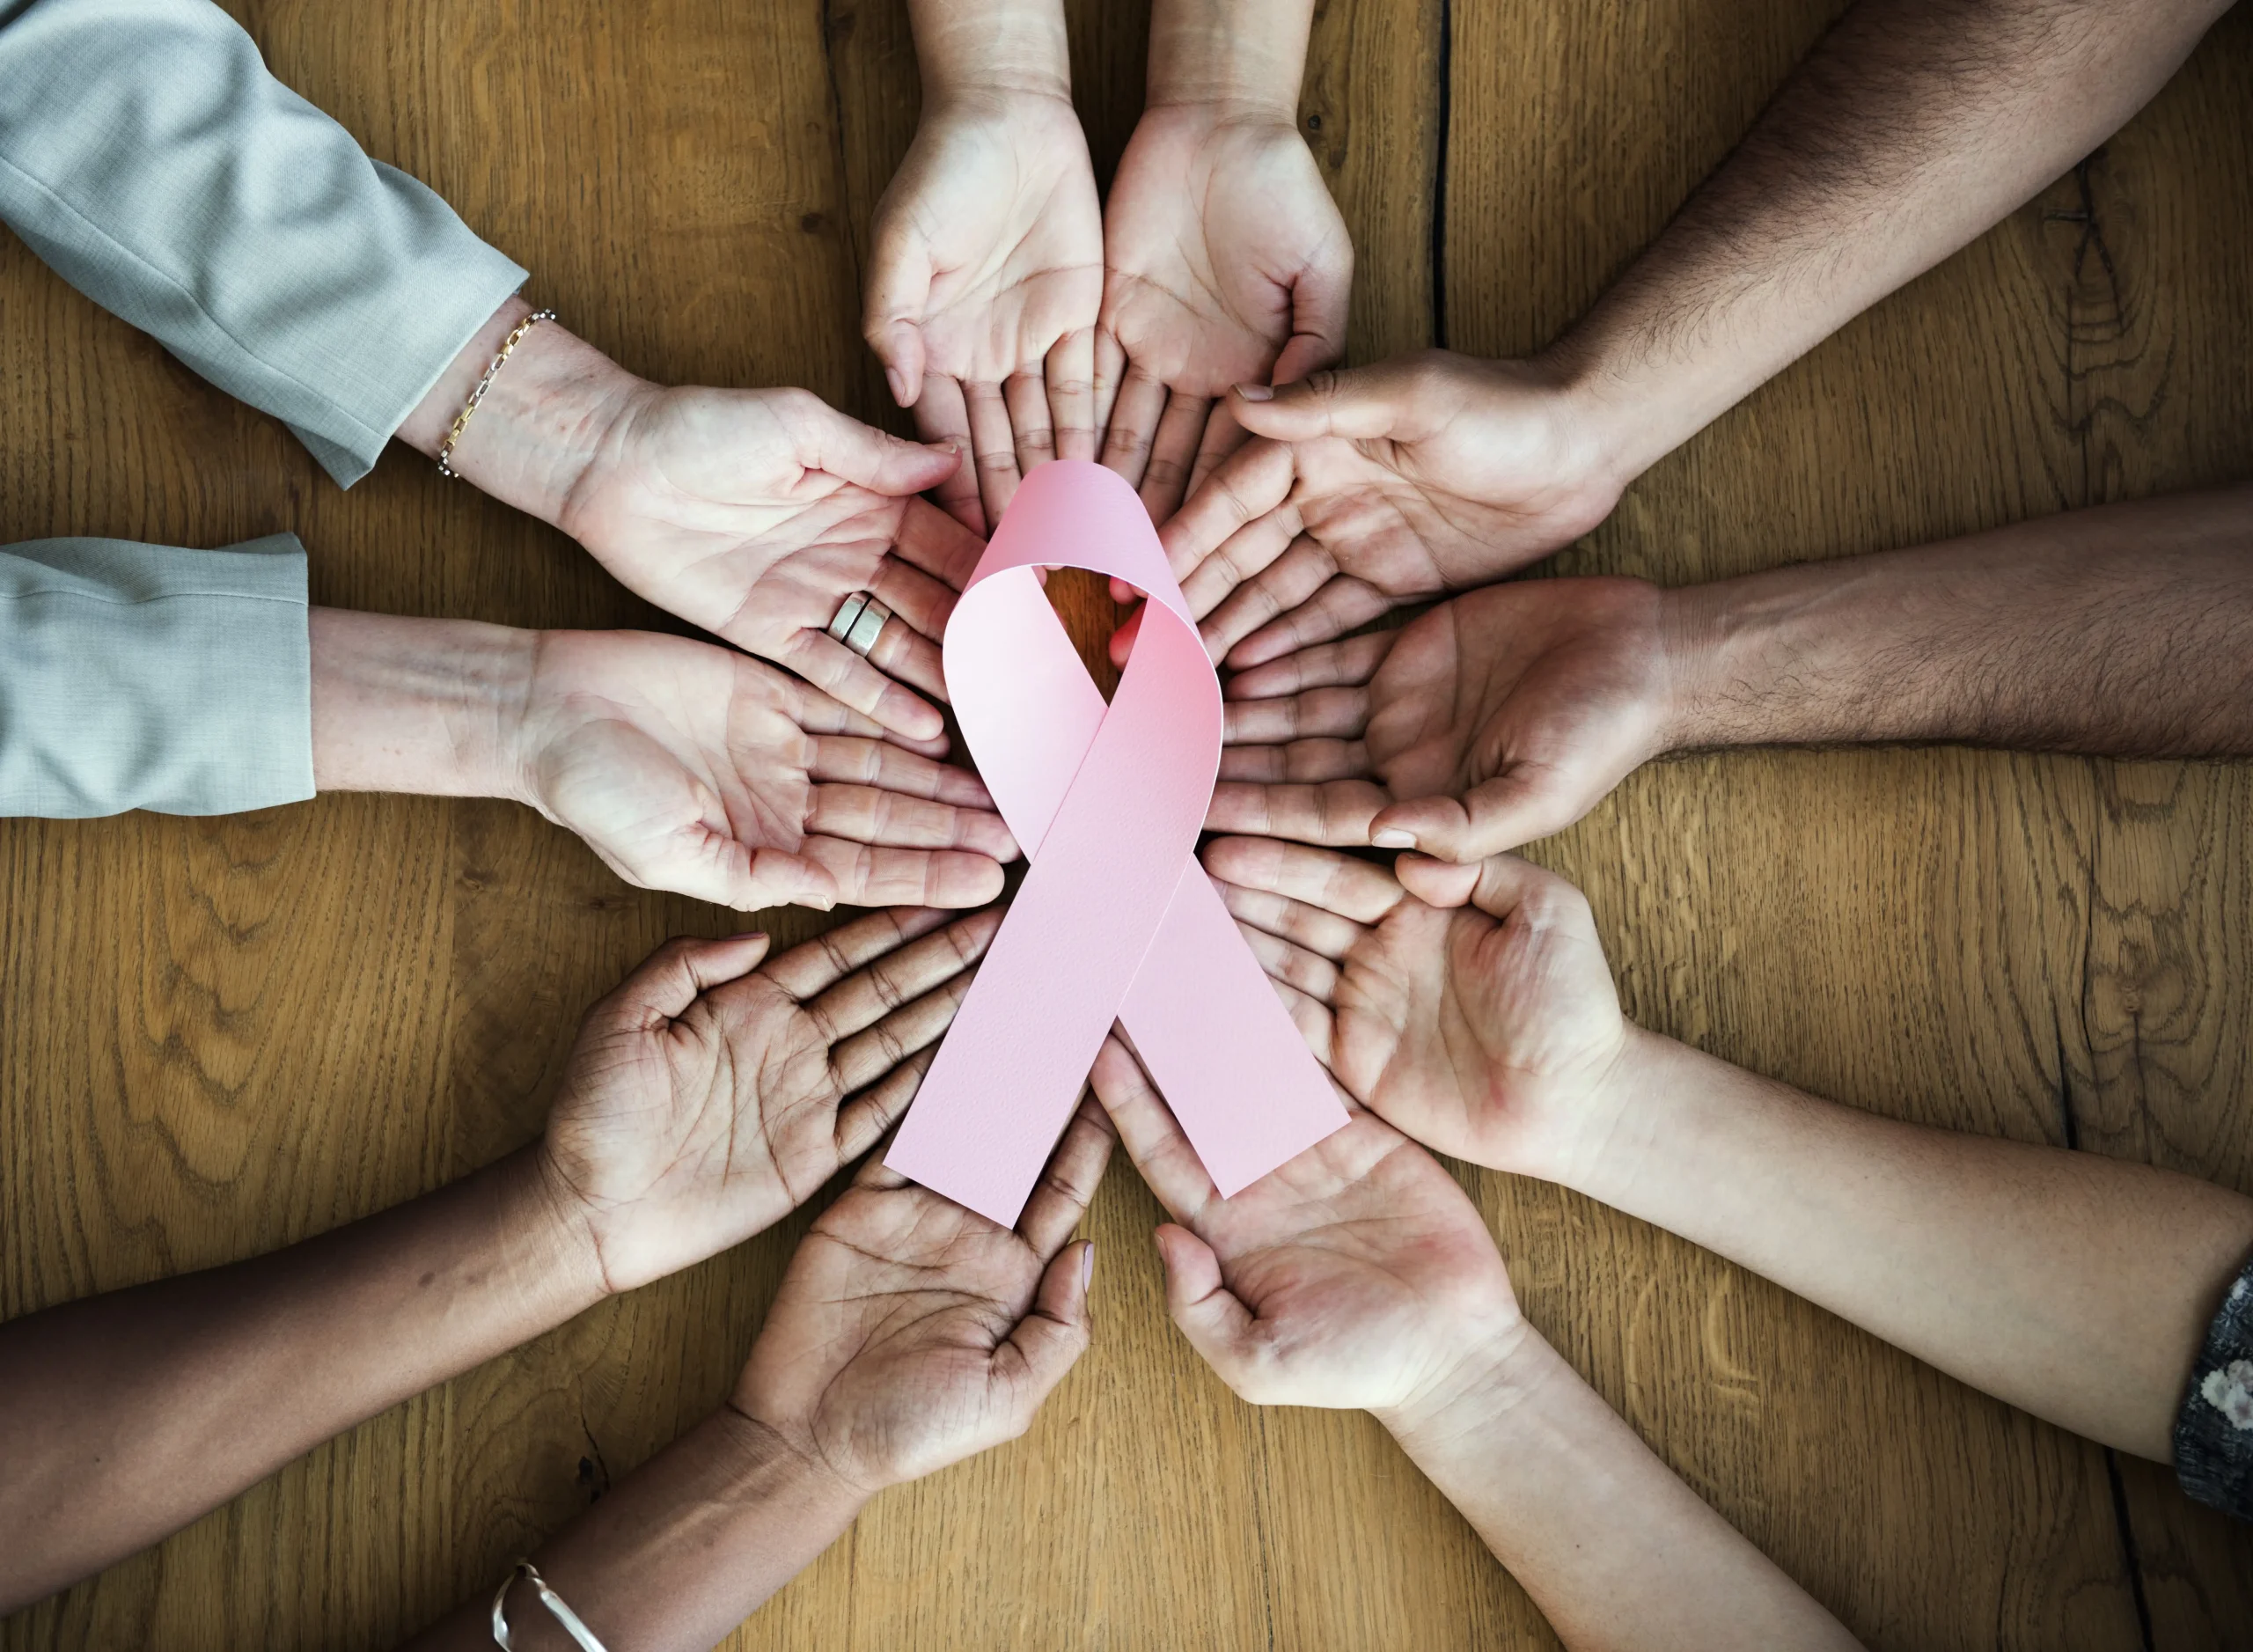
(1380, 486)
(691, 767)
(1500, 717)
(1357, 1274)
(1469, 1006)
(985, 278)
(755, 513)
(910, 1333)
(1226, 263)
(709, 1096)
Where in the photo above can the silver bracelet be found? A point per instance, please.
(572, 1625)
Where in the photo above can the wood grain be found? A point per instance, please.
(216, 1037)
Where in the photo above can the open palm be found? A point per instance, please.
(1226, 263)
(1378, 486)
(1486, 1030)
(690, 767)
(985, 278)
(706, 1099)
(1356, 1275)
(910, 1333)
(755, 513)
(1500, 716)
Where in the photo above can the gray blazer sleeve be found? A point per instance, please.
(147, 677)
(148, 157)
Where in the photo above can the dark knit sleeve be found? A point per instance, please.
(2214, 1431)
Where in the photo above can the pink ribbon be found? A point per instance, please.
(1115, 919)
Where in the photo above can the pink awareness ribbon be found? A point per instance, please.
(1115, 918)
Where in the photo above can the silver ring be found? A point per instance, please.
(847, 611)
(867, 626)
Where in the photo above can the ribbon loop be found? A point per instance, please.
(1115, 920)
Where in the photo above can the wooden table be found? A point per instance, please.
(220, 1036)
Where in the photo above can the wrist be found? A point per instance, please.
(1650, 1101)
(539, 438)
(766, 1457)
(1493, 1374)
(428, 706)
(990, 54)
(1219, 58)
(558, 1254)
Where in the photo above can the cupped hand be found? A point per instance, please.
(1381, 486)
(755, 513)
(1226, 263)
(1500, 716)
(1471, 1008)
(1358, 1275)
(709, 1096)
(910, 1333)
(691, 767)
(985, 277)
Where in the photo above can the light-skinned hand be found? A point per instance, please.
(1358, 1275)
(910, 1333)
(691, 767)
(1469, 1006)
(709, 1095)
(1380, 486)
(1226, 262)
(986, 275)
(1500, 716)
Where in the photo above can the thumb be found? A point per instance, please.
(769, 877)
(871, 458)
(1051, 1338)
(1318, 301)
(892, 310)
(671, 978)
(1359, 403)
(1492, 817)
(1218, 1326)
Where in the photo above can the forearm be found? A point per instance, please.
(427, 706)
(2125, 630)
(2073, 1286)
(125, 1416)
(990, 48)
(1246, 55)
(681, 1551)
(1909, 130)
(1614, 1549)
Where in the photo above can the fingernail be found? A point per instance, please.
(1256, 393)
(898, 380)
(1393, 838)
(1087, 1267)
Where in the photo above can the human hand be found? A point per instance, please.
(1226, 263)
(1381, 486)
(985, 276)
(1500, 716)
(1469, 1006)
(1357, 1274)
(691, 767)
(910, 1333)
(707, 1097)
(752, 513)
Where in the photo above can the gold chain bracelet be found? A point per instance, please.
(461, 419)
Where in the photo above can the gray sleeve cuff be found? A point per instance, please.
(2214, 1431)
(148, 157)
(147, 677)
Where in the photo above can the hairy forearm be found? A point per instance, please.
(682, 1550)
(1614, 1549)
(2073, 1286)
(427, 706)
(1909, 130)
(1244, 55)
(987, 48)
(125, 1416)
(2125, 630)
